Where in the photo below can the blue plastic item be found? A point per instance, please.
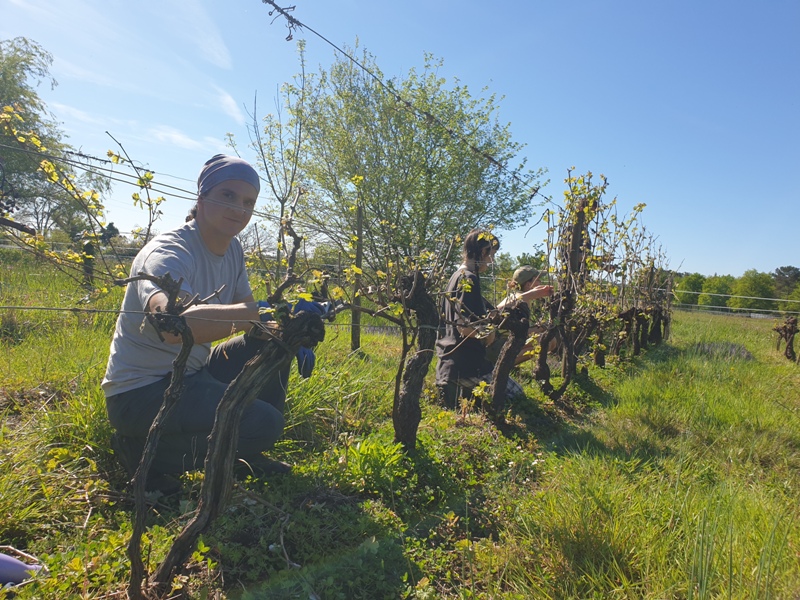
(15, 571)
(305, 361)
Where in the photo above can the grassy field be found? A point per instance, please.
(676, 475)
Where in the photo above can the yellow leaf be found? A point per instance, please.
(75, 564)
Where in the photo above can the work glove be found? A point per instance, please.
(320, 308)
(310, 306)
(305, 361)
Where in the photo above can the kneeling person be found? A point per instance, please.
(205, 254)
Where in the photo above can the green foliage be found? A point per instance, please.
(39, 189)
(414, 182)
(786, 280)
(792, 303)
(715, 290)
(673, 477)
(503, 265)
(24, 64)
(690, 283)
(374, 569)
(373, 466)
(754, 290)
(537, 260)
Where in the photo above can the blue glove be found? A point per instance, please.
(305, 361)
(309, 306)
(320, 308)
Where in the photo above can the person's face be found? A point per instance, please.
(530, 284)
(228, 206)
(487, 259)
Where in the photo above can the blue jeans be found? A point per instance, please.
(184, 435)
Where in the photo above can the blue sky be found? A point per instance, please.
(690, 107)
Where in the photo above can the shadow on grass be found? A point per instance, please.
(562, 427)
(375, 568)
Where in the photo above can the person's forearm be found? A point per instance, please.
(540, 291)
(212, 322)
(469, 332)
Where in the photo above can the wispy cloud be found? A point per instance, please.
(175, 137)
(76, 114)
(68, 15)
(193, 25)
(71, 70)
(229, 105)
(35, 8)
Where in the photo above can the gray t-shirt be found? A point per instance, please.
(138, 357)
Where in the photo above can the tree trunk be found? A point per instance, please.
(306, 329)
(355, 330)
(644, 328)
(656, 335)
(406, 412)
(517, 323)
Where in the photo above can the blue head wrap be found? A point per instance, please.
(221, 168)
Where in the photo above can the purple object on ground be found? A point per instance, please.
(15, 571)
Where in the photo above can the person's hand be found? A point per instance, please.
(305, 361)
(540, 291)
(267, 313)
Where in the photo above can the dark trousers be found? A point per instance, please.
(184, 435)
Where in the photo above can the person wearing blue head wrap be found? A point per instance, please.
(207, 258)
(227, 188)
(221, 168)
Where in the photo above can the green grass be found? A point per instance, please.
(674, 476)
(684, 485)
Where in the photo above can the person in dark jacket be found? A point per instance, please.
(461, 349)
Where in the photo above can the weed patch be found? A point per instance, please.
(722, 351)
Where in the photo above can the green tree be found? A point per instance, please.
(792, 303)
(503, 264)
(55, 204)
(786, 279)
(24, 65)
(327, 256)
(37, 185)
(406, 161)
(688, 288)
(537, 259)
(715, 290)
(753, 290)
(395, 172)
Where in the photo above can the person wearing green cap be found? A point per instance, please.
(524, 287)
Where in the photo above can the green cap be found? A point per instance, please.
(525, 274)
